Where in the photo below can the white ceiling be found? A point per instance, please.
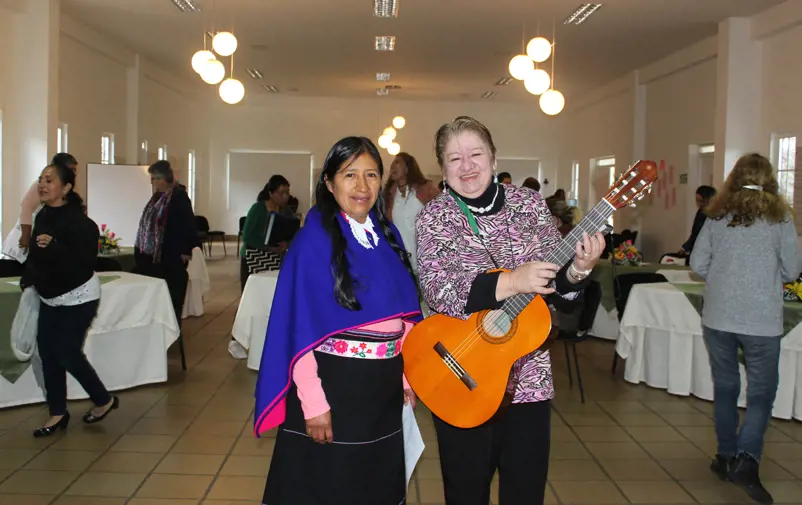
(445, 49)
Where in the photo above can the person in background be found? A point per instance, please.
(60, 266)
(532, 184)
(331, 376)
(464, 237)
(562, 215)
(30, 201)
(746, 250)
(166, 235)
(704, 194)
(559, 195)
(405, 194)
(504, 178)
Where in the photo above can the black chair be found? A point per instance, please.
(574, 328)
(622, 286)
(107, 265)
(11, 268)
(207, 236)
(239, 233)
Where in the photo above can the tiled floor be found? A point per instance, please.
(189, 441)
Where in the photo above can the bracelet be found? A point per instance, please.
(578, 275)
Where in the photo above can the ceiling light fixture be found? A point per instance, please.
(552, 102)
(385, 43)
(581, 14)
(539, 49)
(382, 76)
(255, 73)
(394, 148)
(399, 122)
(382, 91)
(504, 81)
(232, 91)
(213, 72)
(537, 82)
(200, 59)
(187, 5)
(385, 8)
(271, 88)
(521, 66)
(488, 94)
(224, 43)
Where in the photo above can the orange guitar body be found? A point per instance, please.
(440, 348)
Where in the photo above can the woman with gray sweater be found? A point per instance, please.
(745, 251)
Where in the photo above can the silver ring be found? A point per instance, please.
(587, 255)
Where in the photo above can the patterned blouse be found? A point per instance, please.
(450, 256)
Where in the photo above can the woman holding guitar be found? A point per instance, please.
(478, 225)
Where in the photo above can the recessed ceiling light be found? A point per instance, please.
(385, 43)
(187, 5)
(382, 76)
(382, 91)
(255, 73)
(488, 94)
(581, 14)
(504, 81)
(385, 8)
(270, 88)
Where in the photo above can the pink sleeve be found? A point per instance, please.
(30, 202)
(310, 389)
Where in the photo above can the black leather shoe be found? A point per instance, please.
(46, 431)
(90, 418)
(745, 473)
(721, 465)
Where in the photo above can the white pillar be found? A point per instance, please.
(738, 105)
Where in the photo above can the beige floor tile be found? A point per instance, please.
(431, 491)
(624, 407)
(781, 452)
(190, 464)
(74, 461)
(655, 434)
(250, 446)
(161, 501)
(237, 488)
(670, 407)
(602, 434)
(216, 428)
(203, 445)
(640, 419)
(160, 426)
(563, 434)
(587, 493)
(25, 499)
(655, 492)
(22, 439)
(106, 484)
(573, 470)
(793, 466)
(126, 462)
(568, 450)
(429, 469)
(689, 469)
(575, 419)
(144, 443)
(634, 470)
(85, 441)
(175, 486)
(12, 459)
(673, 450)
(616, 450)
(714, 491)
(249, 466)
(37, 482)
(89, 500)
(784, 491)
(687, 419)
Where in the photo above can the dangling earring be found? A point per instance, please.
(495, 177)
(445, 186)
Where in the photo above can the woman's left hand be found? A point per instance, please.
(410, 398)
(43, 240)
(588, 251)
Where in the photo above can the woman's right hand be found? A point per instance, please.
(534, 277)
(319, 428)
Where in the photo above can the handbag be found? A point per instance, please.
(25, 326)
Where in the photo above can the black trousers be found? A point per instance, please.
(516, 442)
(61, 336)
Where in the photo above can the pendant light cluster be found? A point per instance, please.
(212, 70)
(387, 140)
(537, 81)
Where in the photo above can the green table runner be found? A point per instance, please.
(603, 274)
(10, 368)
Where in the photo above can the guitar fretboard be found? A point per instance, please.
(565, 251)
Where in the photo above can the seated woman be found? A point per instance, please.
(481, 225)
(704, 194)
(331, 375)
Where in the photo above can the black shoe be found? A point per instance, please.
(90, 418)
(745, 473)
(46, 431)
(721, 465)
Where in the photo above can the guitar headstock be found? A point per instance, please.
(633, 185)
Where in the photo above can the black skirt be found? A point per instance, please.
(365, 463)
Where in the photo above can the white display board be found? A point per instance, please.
(116, 195)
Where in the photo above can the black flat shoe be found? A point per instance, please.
(721, 466)
(90, 418)
(46, 431)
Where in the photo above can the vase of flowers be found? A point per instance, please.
(792, 291)
(627, 254)
(108, 242)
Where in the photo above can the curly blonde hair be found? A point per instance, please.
(742, 205)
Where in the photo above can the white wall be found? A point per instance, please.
(10, 205)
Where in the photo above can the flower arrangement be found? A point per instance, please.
(108, 241)
(627, 254)
(792, 291)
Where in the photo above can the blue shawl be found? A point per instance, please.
(305, 313)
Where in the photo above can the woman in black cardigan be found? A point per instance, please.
(166, 236)
(60, 266)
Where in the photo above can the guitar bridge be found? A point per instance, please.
(454, 366)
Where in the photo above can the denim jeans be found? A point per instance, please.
(762, 356)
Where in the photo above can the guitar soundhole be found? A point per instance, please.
(497, 327)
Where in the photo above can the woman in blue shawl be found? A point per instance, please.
(331, 376)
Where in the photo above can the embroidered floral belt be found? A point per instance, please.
(358, 349)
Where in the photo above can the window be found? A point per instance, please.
(163, 152)
(191, 177)
(707, 149)
(609, 163)
(785, 153)
(107, 148)
(575, 182)
(143, 152)
(61, 139)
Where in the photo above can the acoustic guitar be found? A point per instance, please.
(459, 369)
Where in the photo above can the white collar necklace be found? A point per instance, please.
(363, 232)
(482, 210)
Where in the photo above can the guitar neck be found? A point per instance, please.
(565, 251)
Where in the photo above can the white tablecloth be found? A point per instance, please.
(199, 285)
(250, 324)
(661, 339)
(127, 343)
